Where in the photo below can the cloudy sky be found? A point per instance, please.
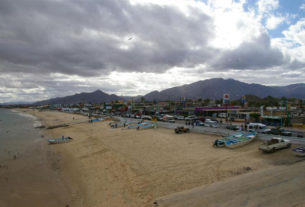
(51, 48)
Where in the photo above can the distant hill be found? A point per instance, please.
(215, 88)
(94, 97)
(211, 88)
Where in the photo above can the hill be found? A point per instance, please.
(215, 88)
(94, 97)
(211, 88)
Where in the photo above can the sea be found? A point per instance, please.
(17, 133)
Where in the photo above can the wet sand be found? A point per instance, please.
(109, 167)
(31, 178)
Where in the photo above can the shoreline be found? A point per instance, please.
(103, 166)
(58, 160)
(30, 177)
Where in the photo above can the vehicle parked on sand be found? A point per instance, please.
(274, 144)
(181, 129)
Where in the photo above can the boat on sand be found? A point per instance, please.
(59, 140)
(235, 140)
(299, 151)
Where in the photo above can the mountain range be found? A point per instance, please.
(211, 88)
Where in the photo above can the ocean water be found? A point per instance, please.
(17, 133)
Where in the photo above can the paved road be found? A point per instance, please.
(221, 131)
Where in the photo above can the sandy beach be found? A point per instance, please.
(109, 167)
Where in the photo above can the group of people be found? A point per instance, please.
(193, 123)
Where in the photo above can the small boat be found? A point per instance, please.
(59, 140)
(96, 120)
(299, 151)
(240, 140)
(146, 126)
(221, 142)
(136, 124)
(132, 125)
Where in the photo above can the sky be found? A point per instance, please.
(54, 48)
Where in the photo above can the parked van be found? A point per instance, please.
(169, 118)
(257, 127)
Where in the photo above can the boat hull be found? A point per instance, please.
(240, 140)
(59, 140)
(300, 151)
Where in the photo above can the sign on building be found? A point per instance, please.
(226, 98)
(243, 100)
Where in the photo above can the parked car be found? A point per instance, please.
(222, 115)
(233, 127)
(146, 117)
(179, 117)
(199, 123)
(210, 123)
(280, 131)
(274, 144)
(171, 120)
(159, 118)
(190, 118)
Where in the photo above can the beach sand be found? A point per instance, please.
(110, 167)
(31, 178)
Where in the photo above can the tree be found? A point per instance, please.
(142, 99)
(206, 101)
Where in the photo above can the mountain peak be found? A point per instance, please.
(210, 88)
(215, 88)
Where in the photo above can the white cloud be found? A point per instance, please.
(293, 42)
(296, 32)
(266, 6)
(232, 25)
(302, 7)
(274, 21)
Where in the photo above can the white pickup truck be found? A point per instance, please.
(275, 144)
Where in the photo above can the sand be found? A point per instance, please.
(109, 167)
(32, 179)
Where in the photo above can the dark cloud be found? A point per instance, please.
(84, 37)
(91, 38)
(255, 54)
